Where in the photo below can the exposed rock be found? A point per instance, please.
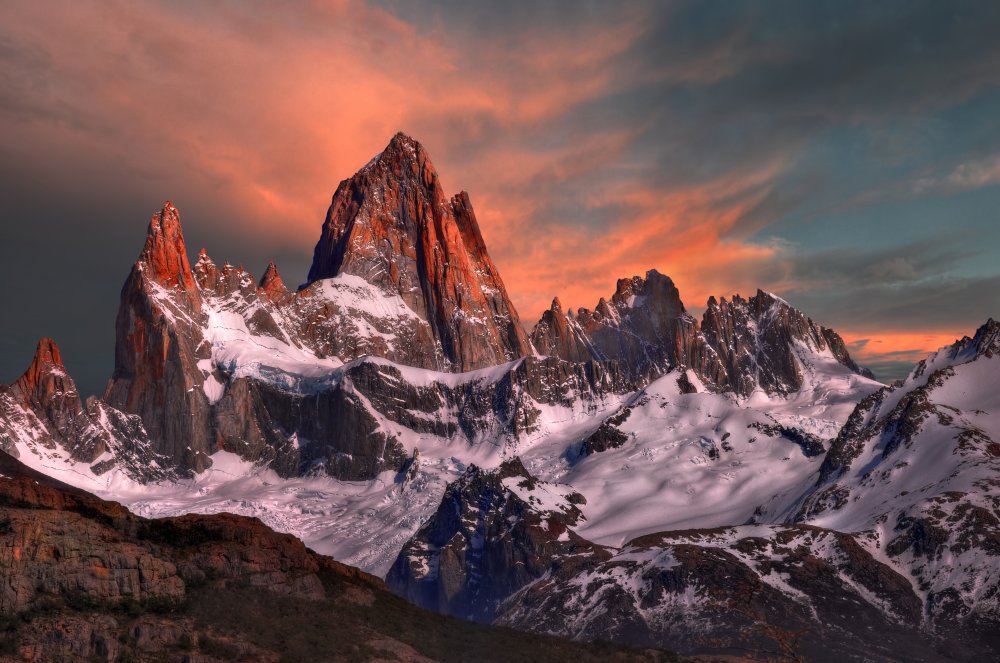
(739, 346)
(645, 327)
(272, 287)
(558, 334)
(159, 342)
(494, 533)
(757, 341)
(41, 414)
(392, 225)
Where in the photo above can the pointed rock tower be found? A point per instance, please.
(392, 225)
(159, 341)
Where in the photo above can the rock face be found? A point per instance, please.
(83, 579)
(742, 345)
(761, 341)
(392, 225)
(64, 543)
(47, 390)
(645, 327)
(159, 342)
(494, 533)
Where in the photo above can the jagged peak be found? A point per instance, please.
(271, 282)
(404, 150)
(47, 354)
(556, 305)
(984, 342)
(404, 141)
(46, 369)
(204, 258)
(164, 256)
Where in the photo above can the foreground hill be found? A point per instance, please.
(83, 579)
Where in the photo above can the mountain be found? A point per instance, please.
(393, 226)
(878, 544)
(919, 466)
(740, 346)
(504, 548)
(730, 486)
(84, 579)
(44, 422)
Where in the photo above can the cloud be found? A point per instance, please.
(596, 140)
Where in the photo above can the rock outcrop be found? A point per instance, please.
(41, 415)
(761, 342)
(494, 533)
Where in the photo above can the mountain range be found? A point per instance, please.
(734, 485)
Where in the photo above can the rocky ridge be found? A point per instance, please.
(739, 346)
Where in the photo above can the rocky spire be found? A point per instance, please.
(558, 335)
(46, 378)
(206, 272)
(158, 343)
(271, 285)
(392, 225)
(164, 257)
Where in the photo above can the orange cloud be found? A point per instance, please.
(263, 111)
(902, 346)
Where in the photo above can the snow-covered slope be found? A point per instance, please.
(919, 466)
(673, 460)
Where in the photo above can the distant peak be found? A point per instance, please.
(46, 376)
(271, 282)
(164, 257)
(47, 353)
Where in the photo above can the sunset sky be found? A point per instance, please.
(843, 155)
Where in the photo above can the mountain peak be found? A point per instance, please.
(47, 353)
(392, 225)
(271, 282)
(164, 256)
(46, 376)
(402, 142)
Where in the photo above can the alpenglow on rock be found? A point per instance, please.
(392, 225)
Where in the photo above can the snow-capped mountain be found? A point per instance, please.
(918, 465)
(731, 484)
(393, 226)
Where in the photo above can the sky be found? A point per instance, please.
(844, 155)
